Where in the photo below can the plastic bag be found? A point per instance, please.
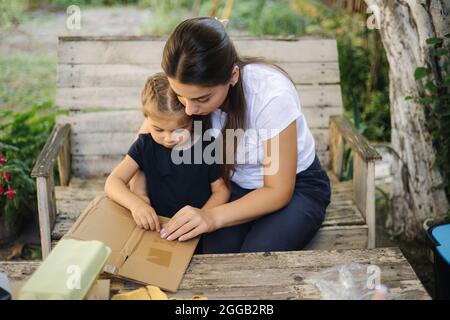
(350, 282)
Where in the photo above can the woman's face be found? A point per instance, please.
(199, 100)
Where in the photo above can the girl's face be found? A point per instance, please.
(201, 100)
(169, 129)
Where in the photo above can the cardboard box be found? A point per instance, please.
(136, 254)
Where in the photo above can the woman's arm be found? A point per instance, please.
(220, 194)
(116, 189)
(278, 185)
(279, 182)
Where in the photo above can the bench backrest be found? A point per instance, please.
(100, 79)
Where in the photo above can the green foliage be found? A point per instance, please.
(434, 96)
(22, 136)
(26, 80)
(364, 71)
(11, 13)
(66, 3)
(166, 15)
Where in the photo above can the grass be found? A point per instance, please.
(26, 80)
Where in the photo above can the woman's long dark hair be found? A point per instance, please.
(199, 52)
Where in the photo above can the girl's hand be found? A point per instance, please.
(187, 223)
(145, 216)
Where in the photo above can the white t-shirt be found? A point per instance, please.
(272, 105)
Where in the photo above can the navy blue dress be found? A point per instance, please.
(172, 186)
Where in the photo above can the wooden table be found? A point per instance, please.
(275, 275)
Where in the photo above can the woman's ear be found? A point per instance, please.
(234, 76)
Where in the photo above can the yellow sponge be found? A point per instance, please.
(149, 293)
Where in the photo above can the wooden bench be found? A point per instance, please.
(275, 275)
(99, 82)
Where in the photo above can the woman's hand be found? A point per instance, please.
(188, 223)
(145, 216)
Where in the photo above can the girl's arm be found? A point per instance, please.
(138, 183)
(279, 183)
(220, 194)
(116, 189)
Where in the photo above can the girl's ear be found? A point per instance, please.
(234, 76)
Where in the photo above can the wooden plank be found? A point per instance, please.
(340, 225)
(150, 52)
(72, 200)
(110, 143)
(103, 121)
(129, 97)
(94, 166)
(46, 210)
(131, 121)
(64, 162)
(274, 275)
(132, 75)
(338, 218)
(364, 192)
(336, 151)
(339, 238)
(118, 143)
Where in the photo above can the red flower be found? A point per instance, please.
(2, 160)
(10, 193)
(1, 189)
(6, 175)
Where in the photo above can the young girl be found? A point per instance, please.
(170, 186)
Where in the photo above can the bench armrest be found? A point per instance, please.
(357, 141)
(57, 147)
(364, 157)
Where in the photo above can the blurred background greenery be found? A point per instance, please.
(363, 65)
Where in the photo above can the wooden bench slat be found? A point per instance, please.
(132, 75)
(92, 166)
(150, 52)
(118, 143)
(129, 97)
(342, 213)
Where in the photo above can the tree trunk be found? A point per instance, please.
(404, 27)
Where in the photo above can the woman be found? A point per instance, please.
(269, 210)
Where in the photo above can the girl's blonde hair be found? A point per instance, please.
(157, 93)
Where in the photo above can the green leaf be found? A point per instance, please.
(441, 52)
(421, 73)
(427, 100)
(409, 98)
(431, 87)
(5, 146)
(434, 40)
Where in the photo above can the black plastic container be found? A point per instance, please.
(439, 237)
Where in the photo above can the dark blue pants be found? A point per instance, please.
(289, 228)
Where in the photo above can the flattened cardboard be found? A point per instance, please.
(136, 254)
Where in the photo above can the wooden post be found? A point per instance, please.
(364, 193)
(47, 211)
(336, 150)
(64, 162)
